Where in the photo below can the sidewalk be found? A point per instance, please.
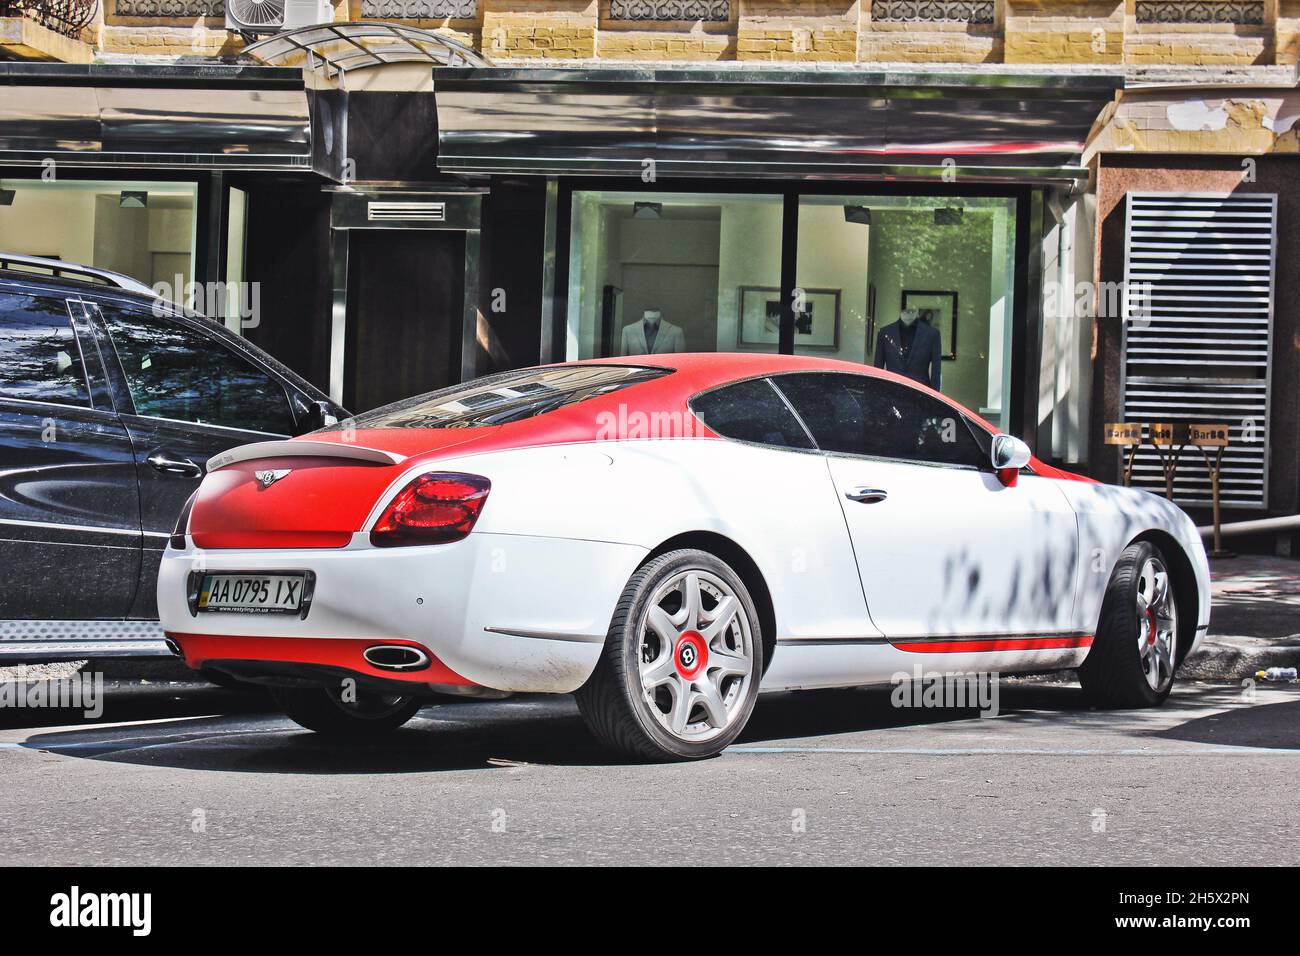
(1255, 620)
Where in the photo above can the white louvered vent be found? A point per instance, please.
(1198, 332)
(406, 211)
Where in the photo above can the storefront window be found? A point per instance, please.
(919, 285)
(673, 272)
(145, 230)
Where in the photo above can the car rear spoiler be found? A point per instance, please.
(302, 449)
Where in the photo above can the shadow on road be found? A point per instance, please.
(179, 729)
(1268, 725)
(147, 702)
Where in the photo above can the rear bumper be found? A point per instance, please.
(506, 612)
(241, 655)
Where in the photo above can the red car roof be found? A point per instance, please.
(693, 372)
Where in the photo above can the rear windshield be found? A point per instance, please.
(505, 397)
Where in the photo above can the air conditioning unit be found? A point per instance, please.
(255, 16)
(307, 13)
(276, 16)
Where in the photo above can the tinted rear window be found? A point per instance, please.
(39, 357)
(751, 411)
(506, 397)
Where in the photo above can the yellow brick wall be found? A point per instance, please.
(677, 40)
(684, 45)
(1200, 121)
(790, 30)
(1287, 31)
(553, 29)
(195, 40)
(929, 43)
(1025, 31)
(1064, 31)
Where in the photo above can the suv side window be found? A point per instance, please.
(177, 372)
(751, 411)
(40, 360)
(862, 415)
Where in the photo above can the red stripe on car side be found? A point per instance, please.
(996, 644)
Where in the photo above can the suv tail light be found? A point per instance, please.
(177, 540)
(435, 508)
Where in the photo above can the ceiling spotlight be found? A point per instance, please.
(860, 214)
(7, 196)
(133, 200)
(647, 210)
(948, 216)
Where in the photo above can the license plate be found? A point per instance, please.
(255, 593)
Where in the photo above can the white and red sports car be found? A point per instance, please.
(661, 536)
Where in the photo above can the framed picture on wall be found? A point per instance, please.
(940, 308)
(816, 325)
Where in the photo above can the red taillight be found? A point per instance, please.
(434, 508)
(177, 540)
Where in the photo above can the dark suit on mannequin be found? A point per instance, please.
(914, 352)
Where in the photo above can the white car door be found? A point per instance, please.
(944, 548)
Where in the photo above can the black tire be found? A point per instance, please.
(617, 710)
(323, 710)
(1114, 675)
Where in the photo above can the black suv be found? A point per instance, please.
(111, 403)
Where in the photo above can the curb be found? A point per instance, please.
(1228, 662)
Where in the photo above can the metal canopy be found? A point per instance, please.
(336, 48)
(762, 123)
(207, 117)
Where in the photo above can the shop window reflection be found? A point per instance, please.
(919, 285)
(145, 230)
(656, 273)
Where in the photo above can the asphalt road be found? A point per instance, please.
(202, 776)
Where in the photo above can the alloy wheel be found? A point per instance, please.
(1157, 618)
(696, 655)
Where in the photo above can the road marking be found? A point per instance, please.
(1023, 751)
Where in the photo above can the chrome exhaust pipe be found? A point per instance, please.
(173, 647)
(396, 657)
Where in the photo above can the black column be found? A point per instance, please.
(789, 269)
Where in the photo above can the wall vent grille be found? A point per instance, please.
(1198, 332)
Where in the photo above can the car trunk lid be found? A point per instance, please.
(306, 493)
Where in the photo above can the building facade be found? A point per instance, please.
(1094, 202)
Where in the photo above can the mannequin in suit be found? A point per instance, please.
(911, 347)
(653, 335)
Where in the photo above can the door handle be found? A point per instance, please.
(866, 495)
(171, 466)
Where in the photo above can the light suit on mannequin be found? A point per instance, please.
(653, 335)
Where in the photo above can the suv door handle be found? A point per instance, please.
(171, 466)
(866, 495)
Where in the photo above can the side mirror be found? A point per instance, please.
(1009, 452)
(319, 414)
(1008, 455)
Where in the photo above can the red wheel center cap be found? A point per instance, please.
(691, 654)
